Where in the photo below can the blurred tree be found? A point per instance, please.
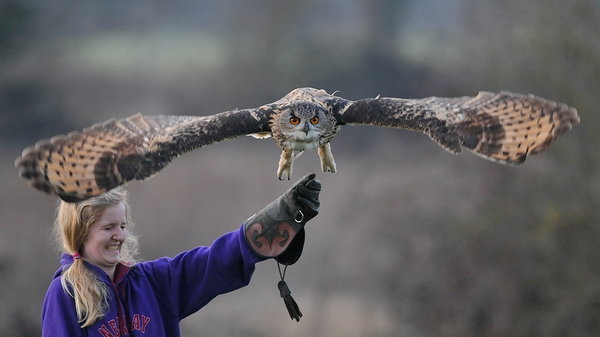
(16, 27)
(526, 265)
(29, 112)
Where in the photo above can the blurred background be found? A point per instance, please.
(410, 241)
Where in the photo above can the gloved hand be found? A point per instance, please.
(277, 231)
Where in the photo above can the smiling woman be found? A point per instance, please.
(103, 244)
(101, 290)
(88, 232)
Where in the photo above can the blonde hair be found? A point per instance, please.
(71, 228)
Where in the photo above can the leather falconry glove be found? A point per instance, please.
(277, 231)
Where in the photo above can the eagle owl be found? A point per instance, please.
(302, 127)
(504, 128)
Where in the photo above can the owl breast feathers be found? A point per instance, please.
(504, 128)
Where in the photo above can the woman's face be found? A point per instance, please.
(103, 244)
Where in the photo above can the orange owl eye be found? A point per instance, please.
(294, 120)
(314, 120)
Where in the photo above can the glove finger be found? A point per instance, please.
(304, 180)
(314, 185)
(308, 198)
(306, 191)
(311, 205)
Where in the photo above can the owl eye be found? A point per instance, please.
(314, 120)
(294, 120)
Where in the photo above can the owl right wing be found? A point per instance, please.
(504, 127)
(84, 164)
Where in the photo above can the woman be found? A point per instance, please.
(101, 290)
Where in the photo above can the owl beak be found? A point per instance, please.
(305, 128)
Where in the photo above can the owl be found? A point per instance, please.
(504, 128)
(301, 127)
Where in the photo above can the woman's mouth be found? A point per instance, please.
(112, 248)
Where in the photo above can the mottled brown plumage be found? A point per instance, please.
(504, 127)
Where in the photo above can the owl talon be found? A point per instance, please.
(281, 172)
(285, 165)
(327, 161)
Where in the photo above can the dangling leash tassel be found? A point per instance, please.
(286, 294)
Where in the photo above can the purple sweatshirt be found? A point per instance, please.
(150, 298)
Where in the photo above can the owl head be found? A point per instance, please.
(303, 126)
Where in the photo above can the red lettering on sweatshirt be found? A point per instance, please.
(113, 324)
(145, 321)
(135, 322)
(105, 332)
(138, 322)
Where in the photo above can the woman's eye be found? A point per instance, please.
(295, 120)
(314, 120)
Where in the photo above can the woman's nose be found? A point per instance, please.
(119, 234)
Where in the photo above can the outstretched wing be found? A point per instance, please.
(84, 164)
(504, 127)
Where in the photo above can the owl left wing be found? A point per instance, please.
(84, 164)
(504, 127)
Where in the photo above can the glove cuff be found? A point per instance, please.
(269, 238)
(294, 250)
